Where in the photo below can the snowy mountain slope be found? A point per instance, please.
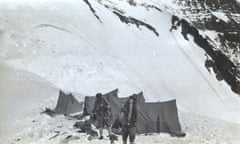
(21, 93)
(70, 47)
(216, 28)
(95, 46)
(218, 23)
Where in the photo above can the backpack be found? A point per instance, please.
(101, 107)
(125, 110)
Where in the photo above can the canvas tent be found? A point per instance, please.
(67, 104)
(90, 100)
(159, 117)
(152, 117)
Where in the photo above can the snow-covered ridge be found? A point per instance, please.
(95, 46)
(220, 17)
(66, 44)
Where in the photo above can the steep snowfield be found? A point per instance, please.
(25, 95)
(64, 43)
(21, 93)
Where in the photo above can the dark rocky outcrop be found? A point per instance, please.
(147, 6)
(93, 11)
(138, 23)
(222, 66)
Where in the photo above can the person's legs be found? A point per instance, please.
(109, 131)
(132, 134)
(125, 133)
(100, 126)
(101, 133)
(107, 123)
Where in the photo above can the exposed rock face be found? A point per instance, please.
(224, 49)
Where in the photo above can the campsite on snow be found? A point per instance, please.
(160, 71)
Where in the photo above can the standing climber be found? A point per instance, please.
(102, 111)
(129, 119)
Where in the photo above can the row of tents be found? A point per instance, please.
(152, 116)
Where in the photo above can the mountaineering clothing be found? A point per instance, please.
(129, 120)
(128, 131)
(102, 112)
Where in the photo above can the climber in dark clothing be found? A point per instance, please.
(129, 120)
(102, 112)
